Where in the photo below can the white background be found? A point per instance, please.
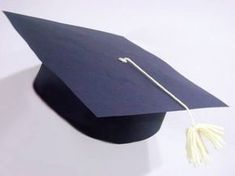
(196, 37)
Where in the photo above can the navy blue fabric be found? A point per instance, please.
(86, 61)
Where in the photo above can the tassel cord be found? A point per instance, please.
(126, 60)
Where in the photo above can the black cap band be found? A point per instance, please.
(117, 129)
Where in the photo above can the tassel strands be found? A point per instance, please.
(196, 150)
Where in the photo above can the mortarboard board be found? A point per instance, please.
(83, 80)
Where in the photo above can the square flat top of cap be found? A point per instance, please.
(87, 62)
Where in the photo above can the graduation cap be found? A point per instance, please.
(108, 87)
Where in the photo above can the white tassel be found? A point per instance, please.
(196, 150)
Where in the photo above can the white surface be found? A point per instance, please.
(195, 37)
